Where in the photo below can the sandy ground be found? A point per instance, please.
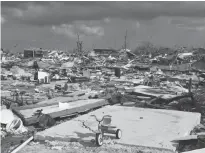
(76, 147)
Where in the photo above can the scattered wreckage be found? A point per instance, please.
(42, 90)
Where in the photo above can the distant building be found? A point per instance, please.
(127, 54)
(38, 53)
(106, 52)
(199, 51)
(199, 65)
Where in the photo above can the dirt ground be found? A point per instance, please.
(76, 147)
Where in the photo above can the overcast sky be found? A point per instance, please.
(101, 24)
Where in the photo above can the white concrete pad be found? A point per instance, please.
(196, 151)
(142, 127)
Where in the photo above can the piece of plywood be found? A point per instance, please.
(55, 108)
(53, 101)
(27, 115)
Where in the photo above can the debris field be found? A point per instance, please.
(157, 100)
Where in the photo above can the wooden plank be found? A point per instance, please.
(16, 112)
(84, 107)
(185, 138)
(55, 108)
(53, 101)
(67, 112)
(77, 109)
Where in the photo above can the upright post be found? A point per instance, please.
(190, 85)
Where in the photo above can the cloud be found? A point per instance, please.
(107, 20)
(16, 12)
(197, 24)
(2, 20)
(71, 30)
(67, 30)
(196, 28)
(95, 31)
(30, 10)
(58, 13)
(137, 24)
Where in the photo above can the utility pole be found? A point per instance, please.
(78, 40)
(125, 43)
(79, 44)
(93, 46)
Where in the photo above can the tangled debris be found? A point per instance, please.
(147, 81)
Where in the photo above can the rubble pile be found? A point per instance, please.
(160, 82)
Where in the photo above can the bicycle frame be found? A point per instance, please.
(102, 129)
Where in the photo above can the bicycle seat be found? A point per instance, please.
(106, 121)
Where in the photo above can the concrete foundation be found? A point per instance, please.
(141, 127)
(196, 151)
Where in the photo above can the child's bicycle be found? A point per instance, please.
(104, 126)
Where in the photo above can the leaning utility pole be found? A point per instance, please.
(125, 43)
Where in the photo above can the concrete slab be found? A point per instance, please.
(142, 127)
(196, 151)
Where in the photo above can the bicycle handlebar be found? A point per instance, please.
(102, 117)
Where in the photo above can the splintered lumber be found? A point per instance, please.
(129, 97)
(150, 105)
(152, 92)
(188, 95)
(153, 100)
(177, 98)
(6, 99)
(28, 114)
(160, 103)
(156, 106)
(77, 93)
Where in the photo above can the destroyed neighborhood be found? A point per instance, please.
(150, 99)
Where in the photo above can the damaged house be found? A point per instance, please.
(106, 52)
(35, 52)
